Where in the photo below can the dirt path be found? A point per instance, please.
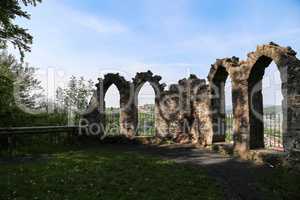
(238, 178)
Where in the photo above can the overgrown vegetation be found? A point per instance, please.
(74, 98)
(22, 99)
(19, 89)
(146, 123)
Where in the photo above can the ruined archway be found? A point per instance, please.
(272, 108)
(247, 96)
(124, 87)
(146, 111)
(218, 76)
(178, 104)
(138, 82)
(111, 113)
(261, 59)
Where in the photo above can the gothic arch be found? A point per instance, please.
(248, 130)
(137, 83)
(258, 61)
(154, 80)
(217, 77)
(243, 75)
(109, 79)
(124, 88)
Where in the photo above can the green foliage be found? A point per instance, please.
(17, 118)
(18, 80)
(112, 121)
(11, 32)
(77, 93)
(146, 126)
(19, 88)
(146, 122)
(74, 98)
(6, 96)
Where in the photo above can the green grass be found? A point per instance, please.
(281, 184)
(104, 174)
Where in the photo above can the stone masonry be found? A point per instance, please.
(196, 108)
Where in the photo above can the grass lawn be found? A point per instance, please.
(280, 184)
(104, 174)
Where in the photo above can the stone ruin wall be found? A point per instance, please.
(193, 110)
(185, 105)
(183, 112)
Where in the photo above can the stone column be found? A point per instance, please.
(202, 126)
(241, 124)
(291, 107)
(128, 114)
(161, 117)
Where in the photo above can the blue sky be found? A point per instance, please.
(170, 37)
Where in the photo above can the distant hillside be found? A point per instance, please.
(276, 109)
(272, 110)
(147, 108)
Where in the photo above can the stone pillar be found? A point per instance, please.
(241, 123)
(202, 126)
(161, 124)
(291, 107)
(128, 114)
(164, 114)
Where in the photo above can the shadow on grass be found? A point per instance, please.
(103, 173)
(119, 170)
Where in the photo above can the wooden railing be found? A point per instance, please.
(38, 130)
(10, 133)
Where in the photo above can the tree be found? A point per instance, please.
(27, 89)
(59, 100)
(77, 94)
(75, 97)
(11, 32)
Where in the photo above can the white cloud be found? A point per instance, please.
(238, 43)
(166, 39)
(100, 25)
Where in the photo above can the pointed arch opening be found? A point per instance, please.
(265, 105)
(146, 110)
(221, 104)
(112, 111)
(272, 109)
